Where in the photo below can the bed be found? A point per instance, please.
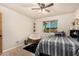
(57, 46)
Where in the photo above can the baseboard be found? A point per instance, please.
(11, 48)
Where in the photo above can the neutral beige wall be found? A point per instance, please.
(16, 27)
(64, 22)
(77, 13)
(77, 16)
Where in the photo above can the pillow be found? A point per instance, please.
(60, 33)
(48, 34)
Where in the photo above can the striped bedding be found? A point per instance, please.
(57, 46)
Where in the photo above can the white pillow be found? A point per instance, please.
(47, 34)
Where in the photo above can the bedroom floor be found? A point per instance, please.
(19, 51)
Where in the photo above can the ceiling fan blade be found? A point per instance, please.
(47, 10)
(41, 5)
(35, 8)
(49, 5)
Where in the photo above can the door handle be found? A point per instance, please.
(0, 35)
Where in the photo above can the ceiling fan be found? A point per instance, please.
(43, 7)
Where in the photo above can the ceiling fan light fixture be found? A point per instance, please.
(42, 11)
(42, 8)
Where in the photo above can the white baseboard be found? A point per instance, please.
(12, 48)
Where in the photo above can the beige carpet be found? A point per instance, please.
(19, 51)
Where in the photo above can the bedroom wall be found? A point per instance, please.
(77, 16)
(64, 22)
(16, 28)
(77, 13)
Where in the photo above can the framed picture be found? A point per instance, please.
(50, 26)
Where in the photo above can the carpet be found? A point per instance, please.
(31, 48)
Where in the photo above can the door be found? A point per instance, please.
(0, 33)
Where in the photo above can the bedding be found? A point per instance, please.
(57, 46)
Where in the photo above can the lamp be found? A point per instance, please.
(42, 11)
(76, 23)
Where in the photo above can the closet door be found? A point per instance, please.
(0, 33)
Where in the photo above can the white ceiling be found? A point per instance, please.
(58, 8)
